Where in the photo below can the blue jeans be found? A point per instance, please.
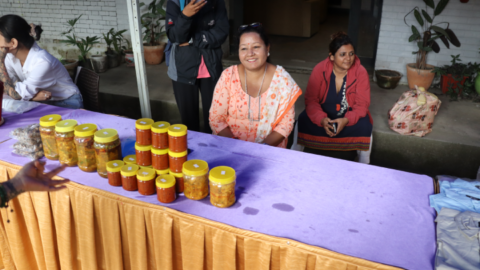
(73, 102)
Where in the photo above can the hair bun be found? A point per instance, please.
(338, 35)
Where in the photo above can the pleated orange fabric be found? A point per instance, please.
(83, 228)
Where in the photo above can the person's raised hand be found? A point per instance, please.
(32, 178)
(42, 95)
(341, 123)
(193, 7)
(327, 126)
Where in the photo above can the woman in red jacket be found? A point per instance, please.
(337, 98)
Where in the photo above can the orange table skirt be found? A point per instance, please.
(86, 228)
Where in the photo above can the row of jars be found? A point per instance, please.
(161, 135)
(194, 181)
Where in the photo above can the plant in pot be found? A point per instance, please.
(84, 45)
(420, 73)
(152, 22)
(114, 38)
(454, 76)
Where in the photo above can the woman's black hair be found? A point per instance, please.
(339, 39)
(254, 29)
(14, 26)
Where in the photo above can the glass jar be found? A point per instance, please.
(179, 181)
(113, 170)
(160, 135)
(166, 188)
(160, 172)
(143, 130)
(65, 137)
(176, 160)
(85, 150)
(195, 179)
(47, 133)
(177, 138)
(144, 154)
(130, 159)
(160, 159)
(107, 148)
(129, 177)
(222, 186)
(145, 181)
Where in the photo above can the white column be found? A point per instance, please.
(137, 45)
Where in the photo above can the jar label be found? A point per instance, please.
(129, 168)
(50, 119)
(145, 173)
(106, 133)
(131, 158)
(195, 165)
(161, 125)
(176, 128)
(85, 128)
(223, 172)
(115, 164)
(66, 123)
(143, 123)
(163, 180)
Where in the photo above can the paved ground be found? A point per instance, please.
(452, 148)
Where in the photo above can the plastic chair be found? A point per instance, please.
(88, 82)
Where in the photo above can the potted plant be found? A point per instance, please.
(420, 73)
(114, 38)
(152, 22)
(454, 75)
(83, 44)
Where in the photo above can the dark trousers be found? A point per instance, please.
(187, 99)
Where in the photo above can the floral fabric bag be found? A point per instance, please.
(414, 112)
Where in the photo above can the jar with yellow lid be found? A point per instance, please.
(144, 154)
(160, 135)
(179, 187)
(107, 148)
(113, 170)
(160, 159)
(166, 188)
(176, 160)
(222, 186)
(65, 136)
(129, 177)
(160, 172)
(195, 179)
(143, 129)
(177, 138)
(47, 133)
(130, 159)
(145, 181)
(85, 151)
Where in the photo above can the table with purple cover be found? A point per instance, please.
(374, 213)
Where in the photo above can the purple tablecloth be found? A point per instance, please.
(359, 210)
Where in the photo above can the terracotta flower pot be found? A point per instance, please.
(154, 54)
(448, 80)
(420, 77)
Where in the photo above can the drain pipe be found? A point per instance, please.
(137, 46)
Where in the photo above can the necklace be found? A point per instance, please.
(258, 95)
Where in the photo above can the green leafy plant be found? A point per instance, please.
(458, 69)
(426, 37)
(151, 21)
(114, 38)
(83, 44)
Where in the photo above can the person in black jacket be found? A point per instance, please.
(197, 32)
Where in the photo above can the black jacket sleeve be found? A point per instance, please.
(215, 36)
(178, 25)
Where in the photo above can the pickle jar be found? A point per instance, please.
(146, 181)
(166, 188)
(177, 138)
(130, 159)
(65, 136)
(160, 172)
(129, 177)
(47, 133)
(107, 148)
(160, 159)
(222, 186)
(113, 170)
(179, 181)
(195, 179)
(144, 154)
(176, 160)
(143, 129)
(85, 151)
(160, 135)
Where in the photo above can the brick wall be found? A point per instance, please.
(394, 50)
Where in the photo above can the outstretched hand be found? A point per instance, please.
(193, 7)
(32, 178)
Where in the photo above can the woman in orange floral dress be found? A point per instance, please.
(254, 101)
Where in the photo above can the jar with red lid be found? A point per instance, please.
(178, 181)
(144, 154)
(176, 160)
(177, 138)
(129, 177)
(166, 188)
(160, 135)
(113, 170)
(160, 159)
(146, 181)
(143, 129)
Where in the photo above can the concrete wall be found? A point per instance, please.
(394, 50)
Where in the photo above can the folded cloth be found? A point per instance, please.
(460, 195)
